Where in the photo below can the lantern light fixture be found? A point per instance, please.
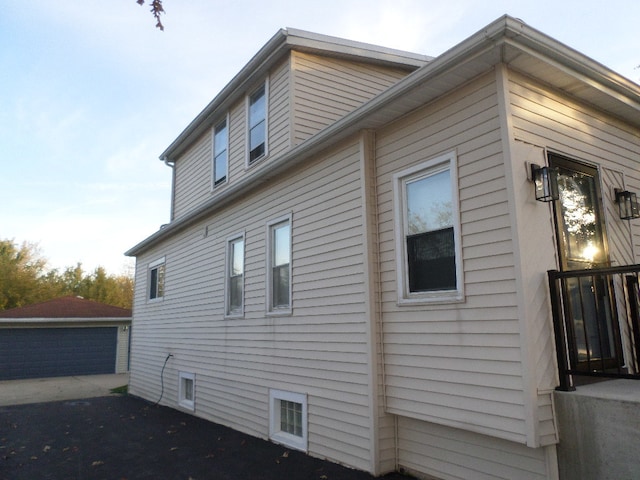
(545, 181)
(627, 204)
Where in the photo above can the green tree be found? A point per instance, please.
(25, 279)
(21, 275)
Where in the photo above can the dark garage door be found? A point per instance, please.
(57, 352)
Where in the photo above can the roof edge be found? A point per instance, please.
(283, 41)
(504, 30)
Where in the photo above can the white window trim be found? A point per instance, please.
(213, 154)
(248, 163)
(182, 401)
(271, 310)
(447, 160)
(277, 435)
(151, 266)
(227, 271)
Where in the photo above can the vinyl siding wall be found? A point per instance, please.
(547, 119)
(456, 364)
(122, 352)
(326, 89)
(452, 454)
(305, 94)
(319, 350)
(192, 177)
(193, 169)
(454, 372)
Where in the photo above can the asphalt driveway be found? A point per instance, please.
(126, 438)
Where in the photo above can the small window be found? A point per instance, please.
(288, 419)
(187, 390)
(220, 153)
(156, 280)
(279, 265)
(235, 276)
(429, 266)
(257, 134)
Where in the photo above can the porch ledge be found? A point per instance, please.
(615, 389)
(599, 430)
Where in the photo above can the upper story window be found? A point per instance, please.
(235, 276)
(156, 279)
(279, 265)
(428, 238)
(257, 123)
(220, 152)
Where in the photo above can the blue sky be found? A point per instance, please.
(91, 93)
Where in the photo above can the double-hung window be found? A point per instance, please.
(257, 124)
(235, 276)
(428, 233)
(156, 280)
(279, 265)
(220, 153)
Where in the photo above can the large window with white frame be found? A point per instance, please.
(428, 246)
(279, 265)
(257, 124)
(220, 161)
(155, 278)
(288, 419)
(235, 276)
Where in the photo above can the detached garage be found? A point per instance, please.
(66, 336)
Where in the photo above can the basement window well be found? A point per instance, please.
(187, 390)
(288, 419)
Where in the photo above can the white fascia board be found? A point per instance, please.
(301, 39)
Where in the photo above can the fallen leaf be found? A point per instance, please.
(173, 449)
(34, 457)
(46, 448)
(285, 454)
(97, 463)
(323, 477)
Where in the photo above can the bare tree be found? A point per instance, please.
(156, 11)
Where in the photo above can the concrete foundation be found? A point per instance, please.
(599, 427)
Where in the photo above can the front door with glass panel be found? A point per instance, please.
(582, 245)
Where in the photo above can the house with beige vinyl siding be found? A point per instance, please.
(357, 266)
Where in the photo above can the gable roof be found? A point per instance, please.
(67, 307)
(280, 44)
(505, 41)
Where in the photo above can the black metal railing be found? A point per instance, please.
(596, 322)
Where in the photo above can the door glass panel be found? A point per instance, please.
(581, 239)
(580, 226)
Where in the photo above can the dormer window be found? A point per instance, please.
(257, 124)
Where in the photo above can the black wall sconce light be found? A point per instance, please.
(627, 204)
(545, 180)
